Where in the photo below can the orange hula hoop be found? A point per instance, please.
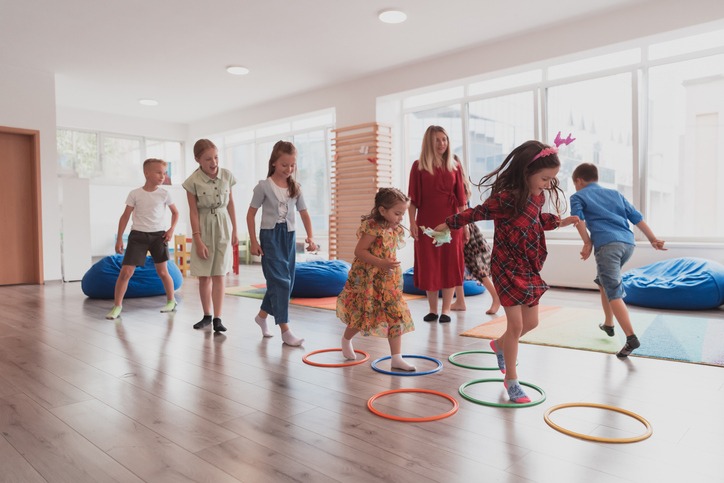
(598, 439)
(338, 364)
(435, 417)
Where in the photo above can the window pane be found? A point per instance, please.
(505, 82)
(449, 117)
(598, 114)
(496, 126)
(78, 153)
(240, 159)
(595, 64)
(685, 158)
(687, 45)
(122, 163)
(313, 175)
(433, 97)
(171, 152)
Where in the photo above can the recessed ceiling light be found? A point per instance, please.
(148, 102)
(237, 70)
(392, 16)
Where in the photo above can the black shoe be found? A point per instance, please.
(218, 326)
(444, 318)
(608, 329)
(203, 322)
(430, 317)
(630, 345)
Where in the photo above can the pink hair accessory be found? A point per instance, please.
(554, 149)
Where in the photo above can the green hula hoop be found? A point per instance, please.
(469, 366)
(462, 392)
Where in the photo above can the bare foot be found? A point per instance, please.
(493, 309)
(458, 306)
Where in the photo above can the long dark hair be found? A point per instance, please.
(512, 175)
(284, 147)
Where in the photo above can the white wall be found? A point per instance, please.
(27, 101)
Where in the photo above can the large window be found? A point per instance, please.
(685, 151)
(649, 116)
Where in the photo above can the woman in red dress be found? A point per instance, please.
(437, 190)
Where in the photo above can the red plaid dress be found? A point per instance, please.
(519, 245)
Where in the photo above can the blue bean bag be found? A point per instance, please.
(470, 287)
(678, 283)
(99, 282)
(320, 278)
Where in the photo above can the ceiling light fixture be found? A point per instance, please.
(148, 102)
(392, 16)
(237, 70)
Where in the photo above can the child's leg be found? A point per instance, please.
(495, 305)
(217, 296)
(509, 341)
(459, 303)
(260, 320)
(397, 362)
(162, 270)
(347, 349)
(524, 319)
(205, 295)
(288, 337)
(122, 284)
(120, 291)
(607, 312)
(620, 311)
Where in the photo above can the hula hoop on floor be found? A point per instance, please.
(469, 366)
(598, 439)
(335, 364)
(462, 392)
(424, 419)
(411, 373)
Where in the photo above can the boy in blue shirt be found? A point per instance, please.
(606, 213)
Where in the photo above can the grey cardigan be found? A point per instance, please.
(265, 198)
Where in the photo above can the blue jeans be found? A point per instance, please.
(277, 263)
(609, 260)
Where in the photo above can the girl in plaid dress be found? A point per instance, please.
(517, 196)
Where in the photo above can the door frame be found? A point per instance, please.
(36, 196)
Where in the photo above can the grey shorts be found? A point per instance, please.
(609, 260)
(140, 242)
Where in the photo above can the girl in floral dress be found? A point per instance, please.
(371, 301)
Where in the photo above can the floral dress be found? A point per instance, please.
(519, 245)
(372, 300)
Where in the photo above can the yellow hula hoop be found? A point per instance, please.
(633, 439)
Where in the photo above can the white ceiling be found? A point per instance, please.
(107, 54)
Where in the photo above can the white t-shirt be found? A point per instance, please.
(149, 208)
(283, 197)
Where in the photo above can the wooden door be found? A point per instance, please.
(21, 245)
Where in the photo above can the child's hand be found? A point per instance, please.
(119, 246)
(441, 227)
(571, 220)
(201, 249)
(167, 236)
(389, 264)
(256, 249)
(658, 244)
(234, 240)
(586, 251)
(311, 246)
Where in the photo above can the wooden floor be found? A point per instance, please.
(147, 398)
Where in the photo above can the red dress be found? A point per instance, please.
(437, 197)
(519, 245)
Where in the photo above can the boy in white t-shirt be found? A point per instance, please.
(148, 205)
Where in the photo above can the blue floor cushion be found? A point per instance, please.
(320, 278)
(678, 283)
(470, 287)
(99, 282)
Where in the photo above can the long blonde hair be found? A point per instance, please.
(428, 154)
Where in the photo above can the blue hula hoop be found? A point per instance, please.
(401, 373)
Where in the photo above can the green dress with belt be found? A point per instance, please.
(212, 198)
